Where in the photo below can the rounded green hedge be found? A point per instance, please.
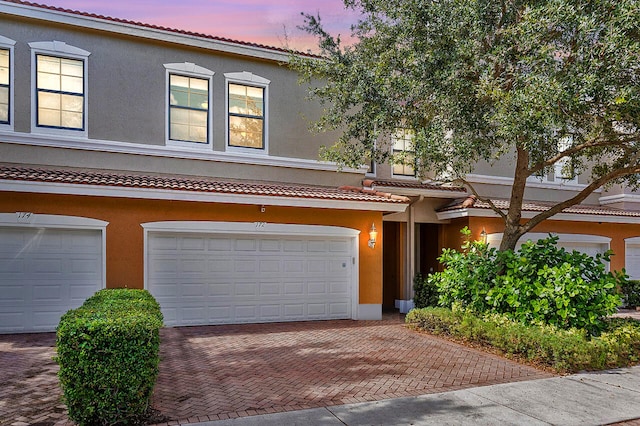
(108, 352)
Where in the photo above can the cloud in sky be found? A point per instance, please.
(269, 22)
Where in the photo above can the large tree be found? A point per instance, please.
(532, 83)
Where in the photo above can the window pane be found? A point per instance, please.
(4, 66)
(48, 117)
(236, 89)
(255, 92)
(179, 81)
(49, 100)
(71, 120)
(198, 134)
(71, 67)
(71, 84)
(72, 103)
(188, 125)
(4, 104)
(179, 97)
(199, 101)
(246, 132)
(198, 118)
(180, 116)
(200, 84)
(48, 64)
(179, 131)
(48, 81)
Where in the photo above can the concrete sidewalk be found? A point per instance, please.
(583, 399)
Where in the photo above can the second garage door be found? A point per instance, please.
(222, 279)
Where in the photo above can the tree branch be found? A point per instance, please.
(484, 199)
(581, 196)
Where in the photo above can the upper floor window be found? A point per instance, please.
(189, 104)
(60, 86)
(403, 150)
(247, 111)
(6, 83)
(563, 168)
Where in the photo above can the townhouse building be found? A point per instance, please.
(140, 156)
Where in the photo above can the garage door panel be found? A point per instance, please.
(245, 245)
(270, 246)
(270, 288)
(251, 279)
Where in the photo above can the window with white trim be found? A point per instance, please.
(6, 82)
(188, 104)
(247, 112)
(59, 88)
(404, 151)
(563, 168)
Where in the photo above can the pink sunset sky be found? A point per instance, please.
(269, 22)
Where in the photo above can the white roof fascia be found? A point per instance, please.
(207, 197)
(575, 217)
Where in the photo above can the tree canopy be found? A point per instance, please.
(535, 83)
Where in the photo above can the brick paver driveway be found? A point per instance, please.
(217, 372)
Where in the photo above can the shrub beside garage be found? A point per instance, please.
(108, 352)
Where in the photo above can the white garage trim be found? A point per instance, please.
(632, 257)
(495, 239)
(36, 220)
(266, 229)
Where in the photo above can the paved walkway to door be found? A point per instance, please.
(219, 372)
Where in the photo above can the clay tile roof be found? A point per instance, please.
(152, 26)
(416, 185)
(538, 206)
(184, 183)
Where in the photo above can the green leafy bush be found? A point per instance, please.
(425, 291)
(539, 283)
(108, 351)
(565, 351)
(631, 293)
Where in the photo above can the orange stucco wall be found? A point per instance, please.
(618, 232)
(125, 237)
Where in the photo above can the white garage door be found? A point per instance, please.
(632, 261)
(589, 248)
(44, 272)
(219, 278)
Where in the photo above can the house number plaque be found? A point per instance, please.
(24, 217)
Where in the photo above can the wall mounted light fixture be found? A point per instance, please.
(373, 236)
(483, 236)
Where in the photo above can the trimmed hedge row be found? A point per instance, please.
(108, 351)
(565, 351)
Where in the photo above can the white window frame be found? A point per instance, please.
(247, 79)
(408, 135)
(59, 49)
(8, 44)
(188, 69)
(563, 144)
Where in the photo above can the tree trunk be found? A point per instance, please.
(511, 235)
(512, 228)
